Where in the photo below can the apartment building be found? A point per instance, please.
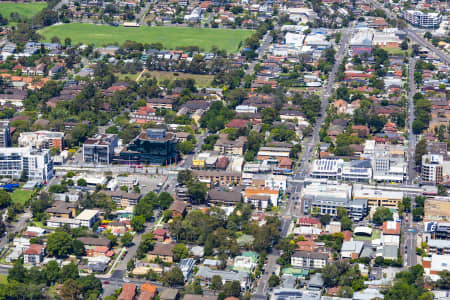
(435, 169)
(42, 139)
(226, 146)
(5, 135)
(309, 260)
(100, 149)
(423, 20)
(18, 161)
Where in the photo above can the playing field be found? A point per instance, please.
(20, 196)
(23, 9)
(169, 37)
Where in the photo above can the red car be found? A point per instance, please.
(106, 282)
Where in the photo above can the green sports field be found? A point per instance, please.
(169, 37)
(23, 9)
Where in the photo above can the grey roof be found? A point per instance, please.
(224, 196)
(316, 281)
(169, 294)
(354, 246)
(439, 243)
(313, 255)
(390, 251)
(208, 273)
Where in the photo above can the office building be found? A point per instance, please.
(42, 140)
(326, 198)
(5, 135)
(100, 149)
(376, 197)
(327, 168)
(423, 20)
(35, 165)
(152, 146)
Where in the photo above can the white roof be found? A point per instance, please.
(363, 229)
(440, 262)
(87, 214)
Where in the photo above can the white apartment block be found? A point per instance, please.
(36, 165)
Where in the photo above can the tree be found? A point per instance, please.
(232, 289)
(345, 292)
(78, 248)
(274, 280)
(5, 199)
(70, 289)
(165, 199)
(442, 190)
(184, 176)
(185, 147)
(325, 219)
(346, 223)
(216, 283)
(126, 239)
(341, 212)
(179, 252)
(81, 182)
(59, 244)
(137, 223)
(17, 272)
(444, 281)
(91, 287)
(173, 277)
(144, 207)
(197, 192)
(421, 150)
(69, 271)
(382, 214)
(52, 272)
(404, 45)
(428, 35)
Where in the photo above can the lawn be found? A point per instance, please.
(23, 9)
(3, 279)
(169, 37)
(201, 81)
(20, 196)
(397, 51)
(376, 234)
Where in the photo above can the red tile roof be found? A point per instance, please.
(34, 249)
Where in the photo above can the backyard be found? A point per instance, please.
(169, 37)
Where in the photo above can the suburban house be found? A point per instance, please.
(160, 235)
(90, 244)
(34, 254)
(128, 292)
(178, 208)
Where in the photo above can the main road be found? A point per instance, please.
(288, 213)
(412, 138)
(412, 34)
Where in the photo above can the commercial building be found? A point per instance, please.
(361, 42)
(327, 168)
(87, 217)
(222, 178)
(5, 135)
(423, 20)
(375, 197)
(35, 165)
(42, 140)
(152, 146)
(326, 198)
(388, 161)
(100, 149)
(437, 208)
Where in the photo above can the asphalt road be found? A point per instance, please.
(289, 212)
(411, 31)
(412, 139)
